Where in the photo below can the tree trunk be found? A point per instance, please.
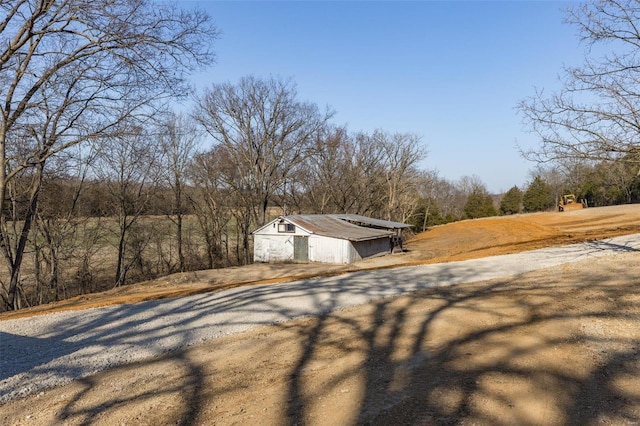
(181, 261)
(119, 279)
(15, 301)
(265, 203)
(426, 216)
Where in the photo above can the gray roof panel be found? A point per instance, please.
(335, 227)
(387, 224)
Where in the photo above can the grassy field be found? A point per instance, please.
(87, 252)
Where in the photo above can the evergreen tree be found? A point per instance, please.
(511, 201)
(428, 214)
(538, 196)
(479, 204)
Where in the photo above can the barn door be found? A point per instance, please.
(266, 245)
(301, 249)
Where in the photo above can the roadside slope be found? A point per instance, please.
(456, 241)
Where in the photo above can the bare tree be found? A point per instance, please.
(129, 168)
(359, 185)
(446, 196)
(58, 228)
(428, 191)
(179, 140)
(402, 152)
(374, 174)
(70, 71)
(344, 174)
(210, 201)
(596, 114)
(618, 177)
(316, 179)
(264, 130)
(470, 184)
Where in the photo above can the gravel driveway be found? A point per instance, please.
(49, 350)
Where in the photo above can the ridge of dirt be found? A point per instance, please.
(451, 242)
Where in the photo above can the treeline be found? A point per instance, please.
(185, 191)
(601, 183)
(151, 201)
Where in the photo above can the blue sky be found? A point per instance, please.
(451, 72)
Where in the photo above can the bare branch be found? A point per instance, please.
(596, 115)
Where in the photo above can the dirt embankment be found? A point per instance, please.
(455, 241)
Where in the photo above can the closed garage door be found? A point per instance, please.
(301, 249)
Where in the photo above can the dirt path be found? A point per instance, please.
(556, 346)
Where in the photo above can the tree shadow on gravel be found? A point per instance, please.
(176, 402)
(552, 351)
(536, 349)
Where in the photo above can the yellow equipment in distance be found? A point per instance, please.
(569, 202)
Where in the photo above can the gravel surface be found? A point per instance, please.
(50, 350)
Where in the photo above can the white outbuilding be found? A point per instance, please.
(328, 238)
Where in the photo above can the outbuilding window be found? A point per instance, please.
(286, 227)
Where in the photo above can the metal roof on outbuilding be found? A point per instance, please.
(341, 226)
(332, 226)
(387, 224)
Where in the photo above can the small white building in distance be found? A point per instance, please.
(328, 238)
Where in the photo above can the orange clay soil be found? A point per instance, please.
(456, 241)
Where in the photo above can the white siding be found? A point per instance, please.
(273, 248)
(272, 229)
(269, 245)
(328, 250)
